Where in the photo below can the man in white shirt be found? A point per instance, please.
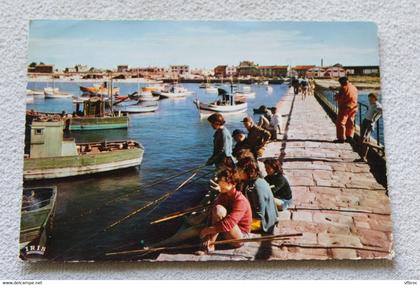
(373, 114)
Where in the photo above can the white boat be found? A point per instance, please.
(52, 93)
(227, 104)
(210, 88)
(135, 106)
(35, 92)
(269, 89)
(176, 91)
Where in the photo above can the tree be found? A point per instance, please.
(33, 64)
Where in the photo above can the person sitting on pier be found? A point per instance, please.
(373, 114)
(279, 184)
(241, 142)
(258, 192)
(275, 124)
(257, 137)
(222, 143)
(347, 108)
(231, 215)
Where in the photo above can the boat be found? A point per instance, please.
(146, 94)
(100, 90)
(136, 106)
(91, 114)
(175, 91)
(55, 93)
(269, 89)
(35, 92)
(37, 213)
(227, 104)
(48, 155)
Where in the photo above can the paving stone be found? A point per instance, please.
(302, 216)
(338, 253)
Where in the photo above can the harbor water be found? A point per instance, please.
(175, 140)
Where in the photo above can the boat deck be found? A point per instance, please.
(339, 207)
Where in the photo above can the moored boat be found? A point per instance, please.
(94, 117)
(55, 93)
(48, 155)
(227, 104)
(29, 98)
(37, 212)
(176, 91)
(136, 106)
(35, 92)
(146, 94)
(100, 90)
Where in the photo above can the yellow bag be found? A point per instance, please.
(256, 225)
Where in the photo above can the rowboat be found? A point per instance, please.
(48, 155)
(37, 212)
(136, 106)
(55, 93)
(245, 92)
(227, 104)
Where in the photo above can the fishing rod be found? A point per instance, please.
(181, 213)
(142, 187)
(126, 217)
(162, 198)
(229, 241)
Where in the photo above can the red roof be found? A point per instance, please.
(303, 67)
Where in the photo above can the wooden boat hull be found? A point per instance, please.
(67, 166)
(97, 123)
(36, 220)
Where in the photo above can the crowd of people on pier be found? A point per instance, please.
(251, 190)
(247, 199)
(304, 85)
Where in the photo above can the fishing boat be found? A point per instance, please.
(136, 106)
(226, 104)
(55, 93)
(175, 91)
(48, 155)
(100, 90)
(91, 114)
(37, 213)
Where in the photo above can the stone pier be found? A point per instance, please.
(339, 207)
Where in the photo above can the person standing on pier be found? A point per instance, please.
(295, 84)
(373, 114)
(257, 137)
(222, 143)
(347, 109)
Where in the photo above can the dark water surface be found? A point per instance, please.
(175, 139)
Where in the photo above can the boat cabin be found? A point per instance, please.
(93, 107)
(46, 140)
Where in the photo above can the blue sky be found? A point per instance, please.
(200, 44)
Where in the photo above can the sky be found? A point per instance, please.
(200, 44)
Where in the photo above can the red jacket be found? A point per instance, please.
(347, 97)
(238, 212)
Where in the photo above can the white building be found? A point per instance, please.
(179, 69)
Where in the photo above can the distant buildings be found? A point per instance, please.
(41, 68)
(122, 68)
(220, 71)
(179, 69)
(231, 71)
(273, 70)
(300, 70)
(247, 68)
(362, 70)
(81, 68)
